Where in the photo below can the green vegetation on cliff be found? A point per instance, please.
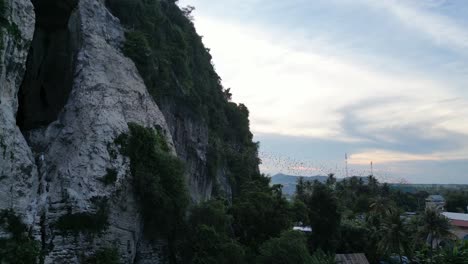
(158, 177)
(107, 255)
(177, 68)
(86, 222)
(3, 21)
(178, 71)
(18, 247)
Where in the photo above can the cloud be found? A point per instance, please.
(301, 93)
(313, 98)
(442, 30)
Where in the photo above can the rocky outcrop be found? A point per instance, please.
(18, 171)
(191, 139)
(78, 94)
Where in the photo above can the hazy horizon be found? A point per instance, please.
(383, 81)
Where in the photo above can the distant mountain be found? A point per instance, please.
(289, 181)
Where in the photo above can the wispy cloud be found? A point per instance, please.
(442, 30)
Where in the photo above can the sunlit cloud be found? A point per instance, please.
(384, 156)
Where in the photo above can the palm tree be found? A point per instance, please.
(393, 235)
(435, 227)
(320, 257)
(379, 208)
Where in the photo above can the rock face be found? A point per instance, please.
(191, 141)
(66, 93)
(77, 95)
(18, 171)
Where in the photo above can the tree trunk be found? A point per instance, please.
(171, 241)
(430, 248)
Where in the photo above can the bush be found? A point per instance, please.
(104, 256)
(85, 222)
(158, 177)
(211, 213)
(110, 177)
(260, 214)
(211, 247)
(20, 248)
(289, 248)
(159, 182)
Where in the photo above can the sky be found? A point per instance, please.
(383, 81)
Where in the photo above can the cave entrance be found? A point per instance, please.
(49, 67)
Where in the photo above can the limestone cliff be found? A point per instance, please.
(67, 91)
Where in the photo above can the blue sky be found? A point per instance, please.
(384, 81)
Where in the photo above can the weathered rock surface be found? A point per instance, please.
(18, 172)
(58, 170)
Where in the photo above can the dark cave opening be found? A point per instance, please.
(49, 67)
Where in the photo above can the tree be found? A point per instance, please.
(435, 227)
(187, 11)
(331, 180)
(210, 236)
(379, 208)
(211, 213)
(159, 183)
(289, 248)
(320, 257)
(324, 217)
(394, 238)
(260, 214)
(300, 213)
(211, 247)
(457, 202)
(453, 254)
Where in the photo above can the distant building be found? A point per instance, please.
(435, 201)
(306, 229)
(358, 258)
(459, 224)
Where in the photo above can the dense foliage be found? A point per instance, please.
(223, 233)
(370, 217)
(159, 182)
(107, 255)
(3, 21)
(110, 177)
(289, 248)
(19, 247)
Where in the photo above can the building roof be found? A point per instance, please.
(456, 216)
(435, 198)
(457, 219)
(357, 258)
